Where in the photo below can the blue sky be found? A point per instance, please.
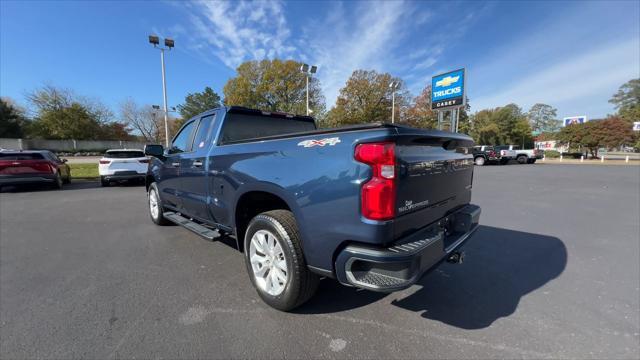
(571, 55)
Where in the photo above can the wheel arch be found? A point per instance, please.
(258, 199)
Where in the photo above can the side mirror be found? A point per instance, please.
(64, 160)
(154, 150)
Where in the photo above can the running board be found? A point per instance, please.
(203, 231)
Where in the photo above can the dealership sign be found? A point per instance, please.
(574, 120)
(636, 126)
(447, 90)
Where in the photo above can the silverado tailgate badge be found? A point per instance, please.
(311, 143)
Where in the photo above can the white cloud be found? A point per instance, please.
(574, 83)
(345, 37)
(362, 39)
(240, 31)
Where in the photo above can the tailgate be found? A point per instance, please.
(434, 178)
(127, 165)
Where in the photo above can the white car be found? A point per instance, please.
(122, 164)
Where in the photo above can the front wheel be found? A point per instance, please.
(522, 159)
(275, 262)
(155, 206)
(479, 161)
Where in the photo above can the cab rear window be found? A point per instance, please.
(240, 127)
(124, 154)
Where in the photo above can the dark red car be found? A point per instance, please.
(33, 167)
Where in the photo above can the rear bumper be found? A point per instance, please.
(124, 175)
(27, 179)
(403, 264)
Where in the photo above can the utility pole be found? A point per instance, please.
(308, 71)
(393, 85)
(169, 44)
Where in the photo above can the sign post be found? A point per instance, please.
(448, 95)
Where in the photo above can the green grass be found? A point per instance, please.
(84, 171)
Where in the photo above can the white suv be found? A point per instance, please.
(122, 164)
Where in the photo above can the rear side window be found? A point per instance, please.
(21, 156)
(239, 127)
(200, 140)
(124, 154)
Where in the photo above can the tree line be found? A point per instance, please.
(278, 85)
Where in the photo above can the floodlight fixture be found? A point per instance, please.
(168, 42)
(313, 69)
(156, 107)
(154, 39)
(304, 68)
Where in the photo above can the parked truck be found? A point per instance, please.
(513, 152)
(374, 206)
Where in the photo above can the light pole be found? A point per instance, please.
(308, 71)
(168, 43)
(394, 85)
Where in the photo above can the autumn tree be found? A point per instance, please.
(627, 101)
(74, 121)
(419, 113)
(366, 97)
(274, 85)
(198, 103)
(611, 132)
(145, 120)
(499, 126)
(61, 114)
(543, 117)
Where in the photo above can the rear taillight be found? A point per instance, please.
(104, 162)
(43, 167)
(144, 161)
(378, 195)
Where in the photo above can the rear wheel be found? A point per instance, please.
(479, 161)
(155, 206)
(57, 181)
(103, 181)
(531, 161)
(275, 261)
(522, 159)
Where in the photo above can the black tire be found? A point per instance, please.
(522, 159)
(103, 182)
(67, 180)
(531, 161)
(301, 284)
(57, 181)
(159, 219)
(480, 161)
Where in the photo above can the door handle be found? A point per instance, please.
(175, 164)
(197, 163)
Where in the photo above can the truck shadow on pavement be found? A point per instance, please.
(500, 268)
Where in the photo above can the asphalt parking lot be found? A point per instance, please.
(554, 272)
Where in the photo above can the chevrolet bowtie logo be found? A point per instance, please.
(447, 81)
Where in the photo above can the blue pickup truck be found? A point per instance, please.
(373, 206)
